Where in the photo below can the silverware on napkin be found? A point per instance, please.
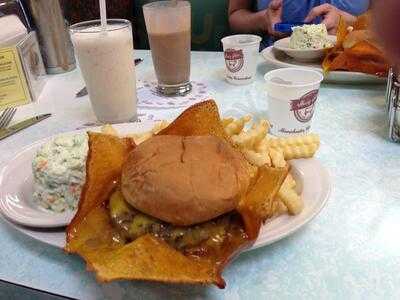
(84, 92)
(6, 132)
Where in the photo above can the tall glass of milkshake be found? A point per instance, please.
(168, 28)
(107, 65)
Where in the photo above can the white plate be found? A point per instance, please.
(302, 55)
(279, 59)
(16, 186)
(315, 185)
(16, 190)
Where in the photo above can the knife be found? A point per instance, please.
(6, 132)
(84, 92)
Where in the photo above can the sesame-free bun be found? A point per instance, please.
(184, 180)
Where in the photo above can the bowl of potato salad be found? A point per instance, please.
(307, 43)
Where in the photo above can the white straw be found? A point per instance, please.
(103, 14)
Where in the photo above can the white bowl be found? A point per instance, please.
(303, 55)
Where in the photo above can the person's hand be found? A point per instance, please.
(331, 16)
(274, 16)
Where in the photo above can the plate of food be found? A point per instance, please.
(307, 43)
(355, 58)
(48, 195)
(170, 202)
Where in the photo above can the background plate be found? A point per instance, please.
(303, 55)
(279, 59)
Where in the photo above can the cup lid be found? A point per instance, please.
(293, 77)
(241, 40)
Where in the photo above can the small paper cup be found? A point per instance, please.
(240, 53)
(292, 96)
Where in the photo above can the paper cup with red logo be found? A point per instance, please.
(292, 96)
(240, 53)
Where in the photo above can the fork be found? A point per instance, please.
(7, 116)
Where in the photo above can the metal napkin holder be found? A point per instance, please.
(393, 105)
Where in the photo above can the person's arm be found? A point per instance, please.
(331, 16)
(242, 19)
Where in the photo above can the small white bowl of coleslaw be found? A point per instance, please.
(308, 43)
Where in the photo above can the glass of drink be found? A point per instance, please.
(168, 28)
(107, 65)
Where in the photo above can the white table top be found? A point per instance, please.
(351, 250)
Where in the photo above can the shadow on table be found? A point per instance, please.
(377, 119)
(382, 130)
(361, 86)
(10, 290)
(264, 68)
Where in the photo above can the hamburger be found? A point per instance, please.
(175, 208)
(181, 189)
(184, 180)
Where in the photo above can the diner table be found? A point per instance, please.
(351, 250)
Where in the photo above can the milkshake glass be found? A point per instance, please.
(107, 65)
(168, 27)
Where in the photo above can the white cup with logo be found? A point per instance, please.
(240, 53)
(292, 96)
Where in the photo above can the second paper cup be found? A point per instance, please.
(240, 54)
(292, 96)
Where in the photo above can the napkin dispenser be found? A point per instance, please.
(21, 71)
(393, 105)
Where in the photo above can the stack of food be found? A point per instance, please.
(356, 49)
(313, 36)
(177, 203)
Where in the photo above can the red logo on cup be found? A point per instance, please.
(234, 60)
(303, 108)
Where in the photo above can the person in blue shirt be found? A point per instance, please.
(247, 16)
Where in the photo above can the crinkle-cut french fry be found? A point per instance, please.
(263, 145)
(140, 137)
(288, 193)
(304, 151)
(236, 126)
(277, 157)
(160, 126)
(292, 201)
(252, 137)
(226, 121)
(295, 141)
(290, 182)
(253, 170)
(109, 129)
(257, 159)
(279, 208)
(262, 128)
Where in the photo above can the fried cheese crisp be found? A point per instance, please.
(101, 180)
(200, 119)
(356, 50)
(92, 235)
